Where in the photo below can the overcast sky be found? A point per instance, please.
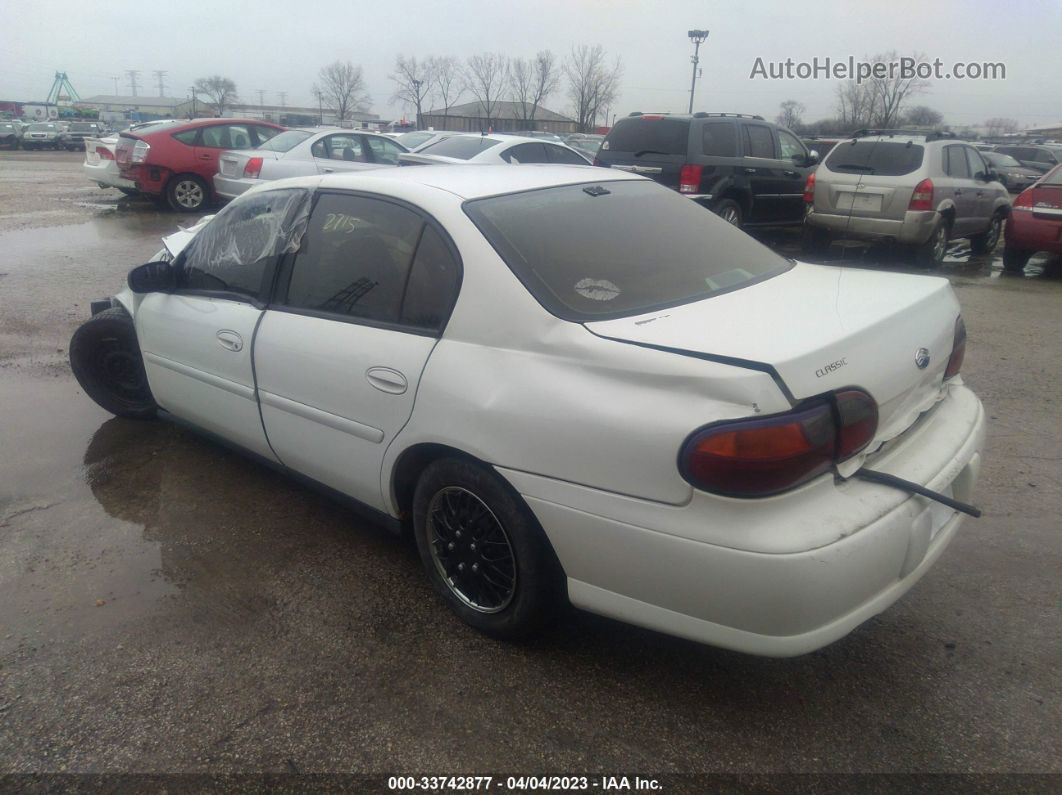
(279, 46)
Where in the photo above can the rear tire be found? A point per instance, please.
(105, 357)
(484, 551)
(931, 253)
(187, 193)
(986, 242)
(729, 210)
(129, 191)
(1015, 259)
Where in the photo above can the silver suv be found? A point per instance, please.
(916, 189)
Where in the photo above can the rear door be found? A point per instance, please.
(795, 170)
(340, 354)
(766, 174)
(653, 145)
(216, 139)
(197, 340)
(961, 188)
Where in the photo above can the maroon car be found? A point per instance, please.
(1035, 222)
(177, 160)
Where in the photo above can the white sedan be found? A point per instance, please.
(571, 384)
(302, 152)
(493, 149)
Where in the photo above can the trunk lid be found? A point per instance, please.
(821, 328)
(231, 163)
(1047, 201)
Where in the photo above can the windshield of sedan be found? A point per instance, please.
(461, 147)
(285, 141)
(595, 251)
(1001, 161)
(411, 140)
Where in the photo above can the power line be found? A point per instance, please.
(160, 74)
(132, 74)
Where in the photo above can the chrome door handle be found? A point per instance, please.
(230, 339)
(790, 173)
(749, 170)
(387, 380)
(328, 170)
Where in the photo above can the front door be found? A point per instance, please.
(197, 340)
(340, 353)
(764, 170)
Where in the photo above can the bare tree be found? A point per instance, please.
(220, 90)
(792, 114)
(592, 84)
(448, 81)
(894, 90)
(413, 83)
(1000, 126)
(486, 78)
(531, 82)
(343, 86)
(923, 116)
(855, 105)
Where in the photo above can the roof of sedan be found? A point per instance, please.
(473, 181)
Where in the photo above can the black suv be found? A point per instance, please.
(747, 170)
(1038, 158)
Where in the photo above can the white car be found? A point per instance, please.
(494, 150)
(302, 152)
(101, 167)
(571, 384)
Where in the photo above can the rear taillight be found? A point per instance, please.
(809, 189)
(253, 167)
(1024, 200)
(922, 198)
(763, 456)
(690, 179)
(958, 350)
(140, 152)
(104, 153)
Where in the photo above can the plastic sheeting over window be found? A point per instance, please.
(235, 252)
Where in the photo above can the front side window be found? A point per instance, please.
(354, 258)
(758, 141)
(602, 250)
(236, 251)
(526, 153)
(977, 165)
(345, 146)
(790, 146)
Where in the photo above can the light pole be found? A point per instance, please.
(697, 37)
(416, 88)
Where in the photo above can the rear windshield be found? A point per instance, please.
(649, 135)
(461, 147)
(285, 140)
(1053, 177)
(603, 250)
(883, 158)
(411, 140)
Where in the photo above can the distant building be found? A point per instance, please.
(504, 117)
(115, 108)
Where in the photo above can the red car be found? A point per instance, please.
(177, 160)
(1035, 222)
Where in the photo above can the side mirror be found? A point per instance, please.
(813, 157)
(153, 277)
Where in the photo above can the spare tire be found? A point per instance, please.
(105, 357)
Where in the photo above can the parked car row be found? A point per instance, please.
(68, 135)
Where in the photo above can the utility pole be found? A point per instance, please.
(115, 79)
(159, 75)
(192, 89)
(320, 106)
(697, 37)
(132, 74)
(283, 96)
(416, 87)
(261, 97)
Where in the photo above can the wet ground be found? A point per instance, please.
(166, 605)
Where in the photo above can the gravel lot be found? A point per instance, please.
(166, 605)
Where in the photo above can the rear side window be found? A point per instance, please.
(461, 147)
(526, 153)
(373, 260)
(187, 137)
(719, 138)
(883, 158)
(1046, 156)
(758, 141)
(235, 252)
(616, 248)
(558, 154)
(955, 162)
(649, 135)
